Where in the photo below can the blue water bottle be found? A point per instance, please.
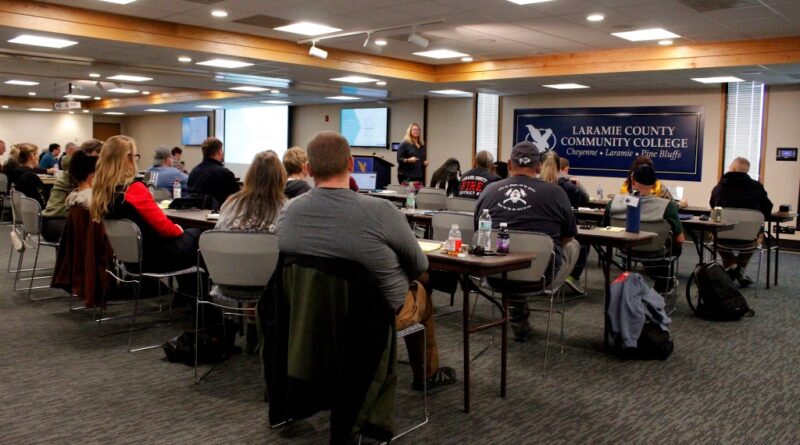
(633, 214)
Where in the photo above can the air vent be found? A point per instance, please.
(263, 21)
(718, 5)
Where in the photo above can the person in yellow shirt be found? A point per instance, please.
(659, 189)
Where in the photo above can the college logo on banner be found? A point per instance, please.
(604, 141)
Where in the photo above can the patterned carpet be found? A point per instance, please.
(725, 382)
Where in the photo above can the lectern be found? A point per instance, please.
(374, 164)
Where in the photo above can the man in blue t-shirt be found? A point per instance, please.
(167, 174)
(529, 204)
(50, 159)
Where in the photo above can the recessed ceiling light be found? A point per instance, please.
(27, 83)
(184, 59)
(76, 96)
(595, 17)
(156, 110)
(225, 63)
(380, 83)
(119, 2)
(467, 59)
(249, 89)
(566, 86)
(665, 42)
(641, 35)
(342, 98)
(5, 107)
(94, 75)
(47, 42)
(145, 93)
(123, 90)
(354, 79)
(276, 102)
(210, 107)
(114, 113)
(97, 98)
(85, 111)
(71, 112)
(275, 91)
(441, 54)
(528, 2)
(31, 93)
(129, 78)
(43, 110)
(718, 79)
(307, 29)
(451, 92)
(219, 13)
(381, 42)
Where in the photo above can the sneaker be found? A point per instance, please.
(744, 280)
(574, 284)
(443, 376)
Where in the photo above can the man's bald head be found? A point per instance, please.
(328, 155)
(740, 165)
(2, 147)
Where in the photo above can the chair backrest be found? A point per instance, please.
(160, 194)
(397, 188)
(659, 244)
(125, 238)
(3, 184)
(442, 221)
(239, 258)
(429, 198)
(30, 215)
(749, 223)
(536, 243)
(461, 204)
(16, 210)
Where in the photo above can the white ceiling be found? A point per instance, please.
(486, 29)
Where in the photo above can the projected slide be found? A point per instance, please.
(365, 127)
(194, 130)
(252, 130)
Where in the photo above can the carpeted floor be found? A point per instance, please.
(725, 382)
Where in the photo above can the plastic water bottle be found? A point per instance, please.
(411, 199)
(600, 192)
(454, 240)
(485, 230)
(503, 239)
(176, 189)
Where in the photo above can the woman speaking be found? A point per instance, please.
(412, 157)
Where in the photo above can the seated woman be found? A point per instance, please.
(254, 209)
(115, 195)
(81, 173)
(23, 177)
(447, 177)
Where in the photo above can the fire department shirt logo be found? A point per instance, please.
(515, 196)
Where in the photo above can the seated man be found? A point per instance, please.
(526, 203)
(737, 190)
(50, 159)
(210, 177)
(167, 174)
(474, 181)
(177, 162)
(331, 221)
(653, 209)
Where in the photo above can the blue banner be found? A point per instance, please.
(604, 141)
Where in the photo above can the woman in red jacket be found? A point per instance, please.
(115, 195)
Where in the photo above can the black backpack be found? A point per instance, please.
(718, 297)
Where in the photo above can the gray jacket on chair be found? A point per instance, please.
(632, 302)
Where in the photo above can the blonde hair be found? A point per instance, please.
(550, 168)
(257, 205)
(294, 159)
(115, 168)
(410, 139)
(25, 152)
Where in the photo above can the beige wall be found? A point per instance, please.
(150, 131)
(451, 132)
(309, 120)
(711, 99)
(43, 129)
(782, 178)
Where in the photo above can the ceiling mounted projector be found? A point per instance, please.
(418, 40)
(317, 52)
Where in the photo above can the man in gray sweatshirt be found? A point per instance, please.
(332, 221)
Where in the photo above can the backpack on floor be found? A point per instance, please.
(718, 297)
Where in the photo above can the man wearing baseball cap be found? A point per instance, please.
(167, 174)
(653, 209)
(529, 204)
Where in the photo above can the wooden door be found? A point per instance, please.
(104, 130)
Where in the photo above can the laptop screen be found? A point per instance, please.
(366, 181)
